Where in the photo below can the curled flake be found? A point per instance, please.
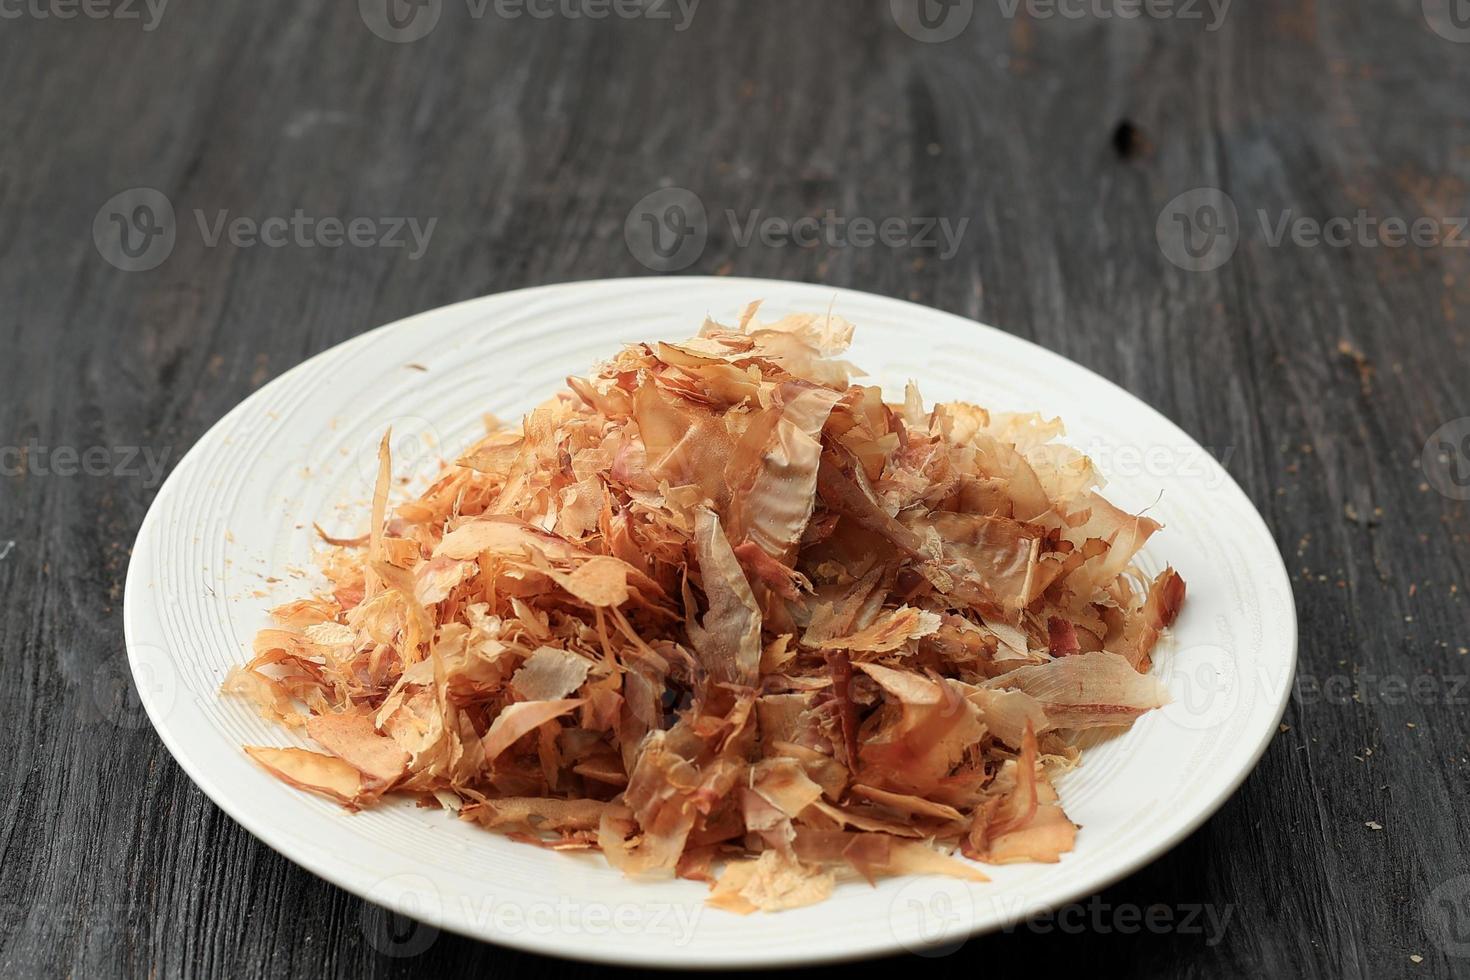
(728, 639)
(1023, 821)
(551, 674)
(1089, 690)
(925, 738)
(770, 883)
(521, 719)
(270, 697)
(323, 774)
(1165, 597)
(536, 814)
(771, 506)
(351, 737)
(888, 632)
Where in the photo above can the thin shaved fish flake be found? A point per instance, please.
(720, 612)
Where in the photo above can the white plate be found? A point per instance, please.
(239, 509)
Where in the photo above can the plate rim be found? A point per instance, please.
(135, 607)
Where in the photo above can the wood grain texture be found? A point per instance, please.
(1318, 372)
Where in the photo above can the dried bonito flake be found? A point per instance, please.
(720, 612)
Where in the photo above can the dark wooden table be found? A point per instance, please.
(1322, 359)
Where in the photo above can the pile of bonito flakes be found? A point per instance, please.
(719, 612)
